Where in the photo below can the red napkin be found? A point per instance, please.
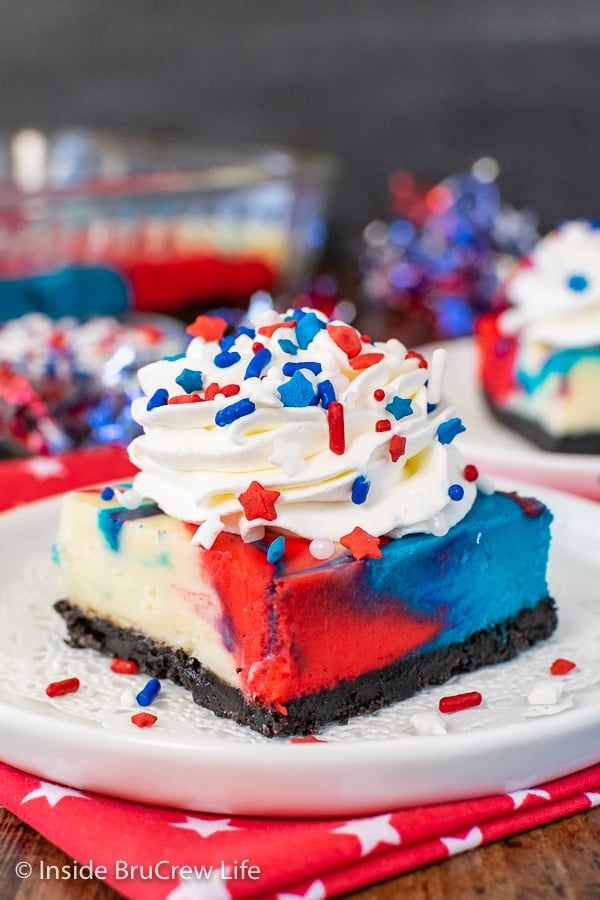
(291, 858)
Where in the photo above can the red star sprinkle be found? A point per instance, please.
(269, 330)
(366, 360)
(397, 447)
(346, 338)
(361, 544)
(412, 354)
(259, 502)
(211, 328)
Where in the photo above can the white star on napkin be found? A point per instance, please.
(456, 845)
(53, 793)
(205, 827)
(316, 891)
(519, 797)
(370, 832)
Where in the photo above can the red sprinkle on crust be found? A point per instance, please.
(361, 544)
(365, 360)
(346, 338)
(379, 394)
(335, 421)
(562, 666)
(458, 702)
(124, 666)
(397, 447)
(307, 739)
(259, 502)
(60, 688)
(412, 354)
(185, 398)
(211, 328)
(144, 720)
(383, 425)
(269, 330)
(471, 473)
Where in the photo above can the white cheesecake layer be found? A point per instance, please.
(152, 583)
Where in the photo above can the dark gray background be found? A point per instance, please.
(384, 84)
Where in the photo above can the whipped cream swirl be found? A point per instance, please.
(555, 292)
(196, 469)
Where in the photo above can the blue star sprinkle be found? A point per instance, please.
(259, 361)
(290, 367)
(447, 431)
(189, 380)
(360, 489)
(308, 326)
(158, 398)
(288, 347)
(578, 283)
(225, 359)
(276, 549)
(229, 414)
(298, 391)
(456, 492)
(400, 407)
(174, 358)
(326, 392)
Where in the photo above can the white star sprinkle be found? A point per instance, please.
(519, 797)
(456, 845)
(53, 793)
(316, 891)
(370, 832)
(205, 827)
(288, 456)
(208, 532)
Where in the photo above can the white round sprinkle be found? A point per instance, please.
(321, 548)
(425, 722)
(127, 698)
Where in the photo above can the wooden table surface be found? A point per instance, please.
(559, 860)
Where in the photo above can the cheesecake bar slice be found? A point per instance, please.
(288, 646)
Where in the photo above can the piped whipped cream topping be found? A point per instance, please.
(238, 434)
(555, 292)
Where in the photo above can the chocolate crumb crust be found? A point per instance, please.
(306, 715)
(587, 443)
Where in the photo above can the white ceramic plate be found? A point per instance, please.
(498, 449)
(193, 760)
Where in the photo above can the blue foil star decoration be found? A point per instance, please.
(400, 407)
(447, 431)
(308, 326)
(189, 380)
(298, 391)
